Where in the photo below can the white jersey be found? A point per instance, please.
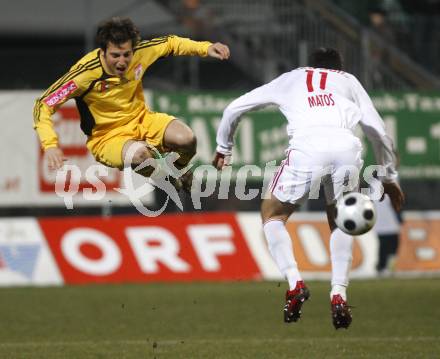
(314, 100)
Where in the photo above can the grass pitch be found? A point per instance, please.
(392, 319)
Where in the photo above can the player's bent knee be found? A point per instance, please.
(266, 211)
(190, 143)
(185, 141)
(134, 152)
(179, 137)
(273, 209)
(139, 158)
(141, 155)
(186, 147)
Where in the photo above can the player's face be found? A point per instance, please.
(118, 57)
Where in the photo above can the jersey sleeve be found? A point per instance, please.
(72, 84)
(173, 45)
(374, 128)
(260, 97)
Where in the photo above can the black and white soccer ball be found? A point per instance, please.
(355, 213)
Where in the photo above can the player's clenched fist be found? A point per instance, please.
(219, 51)
(220, 160)
(55, 158)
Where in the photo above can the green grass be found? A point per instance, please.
(392, 319)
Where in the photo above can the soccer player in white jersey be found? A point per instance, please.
(322, 105)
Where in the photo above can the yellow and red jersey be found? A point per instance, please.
(106, 101)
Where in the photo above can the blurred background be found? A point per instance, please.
(83, 274)
(389, 44)
(392, 46)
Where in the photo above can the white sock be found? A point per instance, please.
(341, 257)
(339, 289)
(280, 246)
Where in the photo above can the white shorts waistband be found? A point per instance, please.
(316, 131)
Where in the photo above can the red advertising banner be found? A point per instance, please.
(179, 247)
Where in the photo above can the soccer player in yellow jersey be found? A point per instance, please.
(107, 87)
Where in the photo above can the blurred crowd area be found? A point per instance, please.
(411, 25)
(266, 38)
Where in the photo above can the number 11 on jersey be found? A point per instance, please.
(318, 100)
(322, 83)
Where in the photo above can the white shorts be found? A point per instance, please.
(332, 160)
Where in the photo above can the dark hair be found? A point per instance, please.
(326, 58)
(116, 30)
(377, 10)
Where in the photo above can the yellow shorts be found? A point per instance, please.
(107, 147)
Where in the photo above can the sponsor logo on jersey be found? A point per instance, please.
(61, 94)
(138, 72)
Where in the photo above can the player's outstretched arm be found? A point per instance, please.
(54, 158)
(219, 51)
(68, 86)
(259, 97)
(393, 190)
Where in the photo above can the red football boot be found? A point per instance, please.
(294, 301)
(341, 312)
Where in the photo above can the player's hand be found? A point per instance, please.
(393, 190)
(220, 161)
(219, 51)
(55, 158)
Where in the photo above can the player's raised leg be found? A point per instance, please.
(274, 214)
(135, 153)
(180, 138)
(346, 165)
(341, 258)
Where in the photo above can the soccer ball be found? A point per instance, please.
(355, 214)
